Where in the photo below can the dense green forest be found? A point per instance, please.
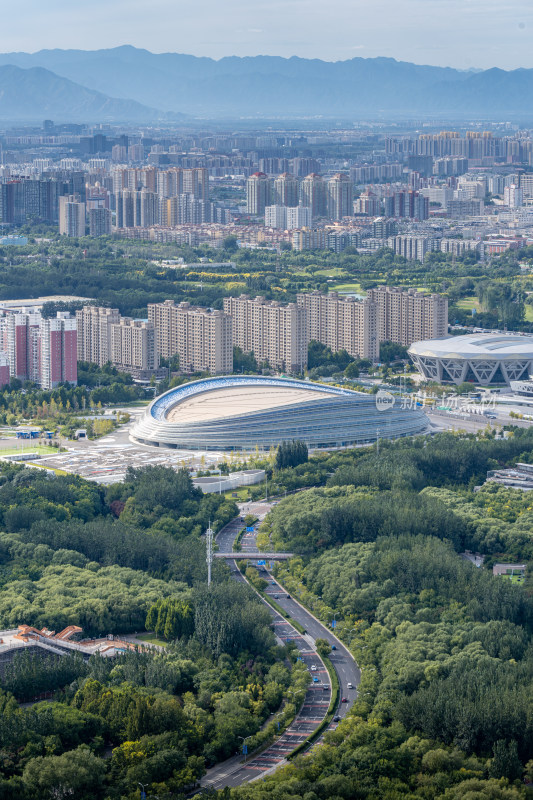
(75, 553)
(158, 718)
(129, 274)
(444, 708)
(118, 560)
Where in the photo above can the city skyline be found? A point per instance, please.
(433, 32)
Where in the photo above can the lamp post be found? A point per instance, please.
(279, 714)
(244, 745)
(219, 479)
(209, 551)
(143, 789)
(294, 692)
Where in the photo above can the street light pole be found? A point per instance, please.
(298, 691)
(209, 551)
(244, 746)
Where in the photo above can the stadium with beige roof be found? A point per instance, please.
(242, 412)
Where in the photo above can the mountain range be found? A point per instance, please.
(134, 84)
(35, 93)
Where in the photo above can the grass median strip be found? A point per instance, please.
(329, 715)
(242, 564)
(335, 688)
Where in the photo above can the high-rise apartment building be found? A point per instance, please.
(513, 196)
(126, 205)
(303, 166)
(257, 193)
(104, 335)
(276, 217)
(94, 333)
(201, 337)
(342, 323)
(299, 217)
(119, 153)
(412, 247)
(58, 351)
(175, 181)
(465, 208)
(133, 346)
(273, 332)
(409, 204)
(4, 369)
(286, 190)
(184, 209)
(41, 350)
(22, 334)
(99, 222)
(287, 218)
(196, 182)
(340, 196)
(406, 316)
(135, 152)
(71, 216)
(309, 239)
(314, 195)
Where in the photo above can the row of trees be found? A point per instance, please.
(447, 662)
(291, 454)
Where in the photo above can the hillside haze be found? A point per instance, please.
(270, 85)
(34, 93)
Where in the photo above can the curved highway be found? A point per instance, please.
(236, 771)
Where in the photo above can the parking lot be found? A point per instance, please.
(106, 460)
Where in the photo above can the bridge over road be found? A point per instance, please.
(246, 554)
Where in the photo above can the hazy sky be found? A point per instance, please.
(459, 33)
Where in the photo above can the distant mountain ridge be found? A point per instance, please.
(34, 93)
(269, 85)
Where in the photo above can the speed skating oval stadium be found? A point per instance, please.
(245, 411)
(482, 358)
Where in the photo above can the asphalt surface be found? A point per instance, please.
(236, 771)
(473, 423)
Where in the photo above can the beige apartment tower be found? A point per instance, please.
(71, 216)
(406, 316)
(133, 345)
(201, 337)
(273, 332)
(94, 333)
(342, 323)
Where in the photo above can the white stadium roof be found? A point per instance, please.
(476, 345)
(484, 358)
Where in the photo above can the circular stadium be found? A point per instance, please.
(244, 412)
(482, 358)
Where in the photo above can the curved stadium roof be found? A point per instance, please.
(242, 412)
(477, 345)
(485, 358)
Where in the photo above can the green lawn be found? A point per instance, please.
(242, 495)
(29, 447)
(468, 303)
(135, 403)
(528, 312)
(347, 287)
(332, 272)
(152, 639)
